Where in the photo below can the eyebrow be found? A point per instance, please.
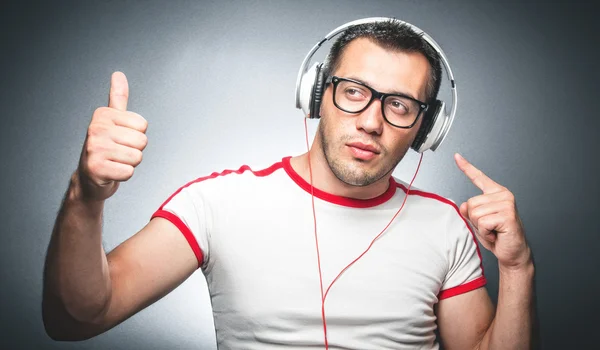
(395, 92)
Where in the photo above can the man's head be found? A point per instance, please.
(390, 35)
(390, 58)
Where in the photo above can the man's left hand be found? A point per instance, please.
(495, 218)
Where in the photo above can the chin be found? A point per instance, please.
(357, 172)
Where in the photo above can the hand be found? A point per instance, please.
(495, 218)
(113, 146)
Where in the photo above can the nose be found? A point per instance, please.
(371, 120)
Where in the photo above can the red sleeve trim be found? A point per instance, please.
(463, 288)
(187, 233)
(447, 201)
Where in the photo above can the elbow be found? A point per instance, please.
(60, 325)
(55, 333)
(61, 335)
(56, 329)
(86, 313)
(67, 331)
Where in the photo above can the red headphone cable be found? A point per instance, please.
(324, 294)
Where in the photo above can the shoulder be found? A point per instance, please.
(227, 180)
(441, 212)
(438, 211)
(425, 200)
(242, 172)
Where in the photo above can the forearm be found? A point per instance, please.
(513, 323)
(76, 272)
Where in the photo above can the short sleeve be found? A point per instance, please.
(186, 210)
(465, 271)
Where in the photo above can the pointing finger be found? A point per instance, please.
(477, 176)
(119, 91)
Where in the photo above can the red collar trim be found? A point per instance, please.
(345, 201)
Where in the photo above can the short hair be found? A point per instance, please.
(391, 35)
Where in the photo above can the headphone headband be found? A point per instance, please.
(447, 122)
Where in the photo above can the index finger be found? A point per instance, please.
(477, 177)
(131, 120)
(119, 91)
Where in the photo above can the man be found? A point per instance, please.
(272, 241)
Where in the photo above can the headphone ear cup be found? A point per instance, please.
(431, 115)
(317, 93)
(306, 89)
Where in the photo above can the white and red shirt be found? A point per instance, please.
(253, 234)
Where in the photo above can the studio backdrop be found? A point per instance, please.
(216, 79)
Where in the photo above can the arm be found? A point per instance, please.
(464, 319)
(499, 229)
(467, 321)
(87, 292)
(512, 326)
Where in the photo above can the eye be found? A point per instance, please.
(397, 105)
(354, 93)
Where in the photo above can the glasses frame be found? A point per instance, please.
(335, 80)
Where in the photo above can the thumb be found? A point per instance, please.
(119, 91)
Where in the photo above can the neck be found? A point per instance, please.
(325, 180)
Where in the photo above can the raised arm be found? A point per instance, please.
(86, 291)
(467, 321)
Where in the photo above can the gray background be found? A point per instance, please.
(216, 81)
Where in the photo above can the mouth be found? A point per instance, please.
(363, 151)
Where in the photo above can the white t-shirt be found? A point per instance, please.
(253, 234)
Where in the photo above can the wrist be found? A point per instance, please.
(524, 267)
(76, 196)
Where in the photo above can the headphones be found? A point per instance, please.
(436, 121)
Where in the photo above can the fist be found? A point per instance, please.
(113, 145)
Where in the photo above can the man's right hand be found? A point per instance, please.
(87, 291)
(113, 146)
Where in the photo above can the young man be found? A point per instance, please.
(254, 232)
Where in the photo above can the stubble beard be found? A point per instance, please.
(353, 174)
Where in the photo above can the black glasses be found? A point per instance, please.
(352, 96)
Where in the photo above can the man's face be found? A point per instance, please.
(344, 136)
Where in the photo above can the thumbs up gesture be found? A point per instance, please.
(114, 144)
(494, 215)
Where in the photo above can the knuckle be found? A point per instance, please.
(96, 129)
(137, 156)
(470, 202)
(101, 112)
(98, 112)
(128, 171)
(94, 146)
(93, 166)
(91, 145)
(92, 131)
(510, 196)
(144, 123)
(483, 221)
(90, 148)
(144, 141)
(140, 122)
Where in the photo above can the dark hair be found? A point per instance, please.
(391, 35)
